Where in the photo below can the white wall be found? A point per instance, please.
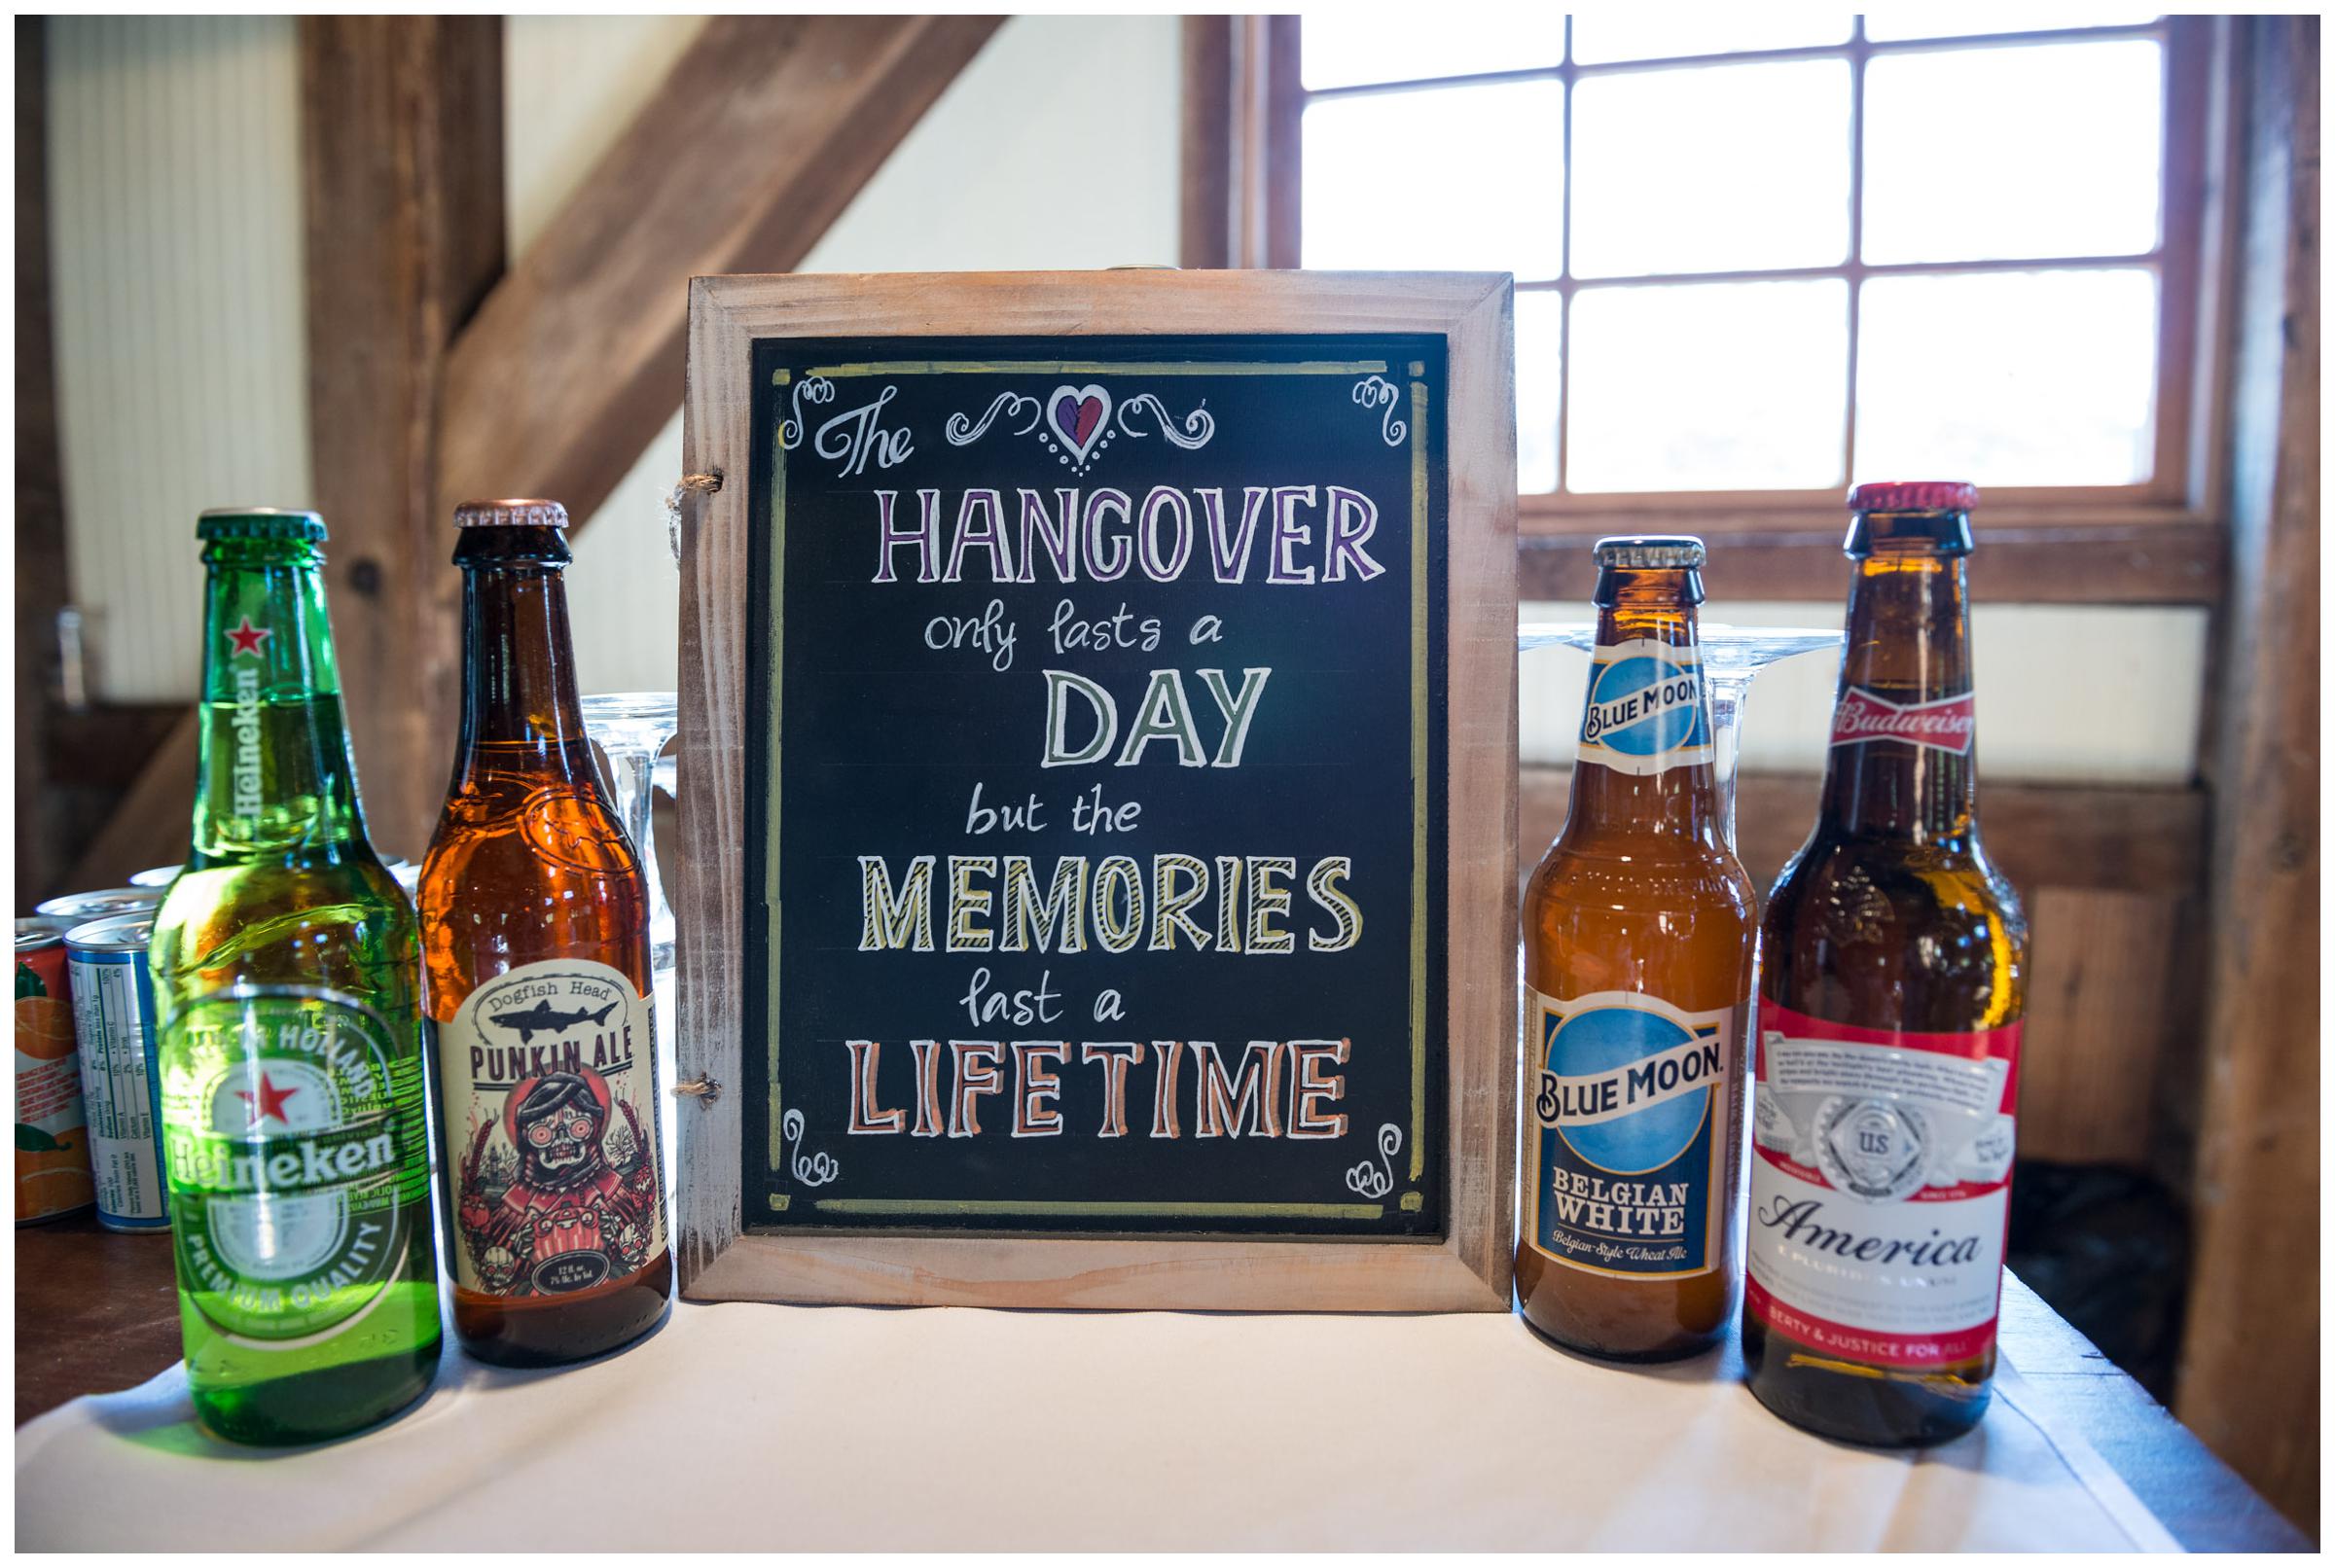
(571, 86)
(176, 261)
(2066, 692)
(175, 215)
(979, 183)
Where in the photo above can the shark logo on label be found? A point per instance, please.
(1647, 711)
(547, 1019)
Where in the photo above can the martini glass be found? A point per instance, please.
(632, 729)
(1731, 659)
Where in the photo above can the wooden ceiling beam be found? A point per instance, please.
(402, 159)
(761, 136)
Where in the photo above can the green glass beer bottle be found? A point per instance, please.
(285, 964)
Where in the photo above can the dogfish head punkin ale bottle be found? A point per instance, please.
(535, 946)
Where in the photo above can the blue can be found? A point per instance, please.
(113, 1027)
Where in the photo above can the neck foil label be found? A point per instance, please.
(1948, 724)
(1880, 1187)
(549, 1074)
(1631, 1099)
(299, 1161)
(1646, 711)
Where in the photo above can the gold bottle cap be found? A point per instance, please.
(510, 515)
(1650, 551)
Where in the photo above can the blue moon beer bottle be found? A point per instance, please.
(1895, 981)
(1639, 932)
(285, 966)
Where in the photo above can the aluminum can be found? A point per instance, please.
(80, 909)
(113, 1017)
(152, 876)
(52, 1135)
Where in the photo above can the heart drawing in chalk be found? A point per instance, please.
(1078, 415)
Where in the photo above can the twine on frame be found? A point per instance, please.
(691, 483)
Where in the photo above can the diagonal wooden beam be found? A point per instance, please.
(761, 136)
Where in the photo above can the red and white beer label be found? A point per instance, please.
(1948, 724)
(548, 1083)
(1881, 1187)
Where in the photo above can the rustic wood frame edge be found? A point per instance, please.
(1468, 1269)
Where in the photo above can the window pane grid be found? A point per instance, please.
(1569, 71)
(1856, 51)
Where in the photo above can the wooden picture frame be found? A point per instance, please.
(1466, 1267)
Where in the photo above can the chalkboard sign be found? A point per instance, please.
(1107, 751)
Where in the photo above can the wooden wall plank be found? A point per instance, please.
(150, 826)
(1208, 179)
(2110, 877)
(2250, 1359)
(759, 136)
(402, 138)
(2099, 1029)
(2172, 563)
(41, 574)
(2101, 838)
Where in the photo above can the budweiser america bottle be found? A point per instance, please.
(1892, 988)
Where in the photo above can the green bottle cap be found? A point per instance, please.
(259, 522)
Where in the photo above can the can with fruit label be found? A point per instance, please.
(121, 1092)
(52, 1135)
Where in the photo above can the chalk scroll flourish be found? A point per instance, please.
(810, 1169)
(1377, 1181)
(1196, 426)
(809, 389)
(1377, 392)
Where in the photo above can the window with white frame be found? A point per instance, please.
(1760, 252)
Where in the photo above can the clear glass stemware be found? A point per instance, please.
(1731, 659)
(632, 729)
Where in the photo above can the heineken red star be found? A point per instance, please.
(285, 966)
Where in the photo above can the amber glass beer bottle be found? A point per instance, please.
(1639, 932)
(535, 944)
(1895, 965)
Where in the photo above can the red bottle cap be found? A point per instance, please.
(1914, 495)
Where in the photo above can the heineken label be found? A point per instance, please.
(246, 667)
(549, 1077)
(1630, 1096)
(298, 1158)
(1646, 711)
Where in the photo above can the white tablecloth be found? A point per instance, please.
(794, 1428)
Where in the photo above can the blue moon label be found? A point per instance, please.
(1631, 1098)
(1647, 711)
